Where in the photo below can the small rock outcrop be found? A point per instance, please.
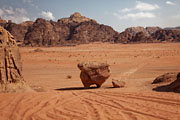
(93, 73)
(11, 79)
(117, 83)
(167, 77)
(175, 86)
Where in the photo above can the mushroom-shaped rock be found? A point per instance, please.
(117, 83)
(93, 73)
(11, 79)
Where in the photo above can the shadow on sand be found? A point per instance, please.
(163, 88)
(75, 88)
(83, 88)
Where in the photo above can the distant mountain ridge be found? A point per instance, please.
(78, 29)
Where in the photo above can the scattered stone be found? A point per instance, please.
(93, 73)
(117, 83)
(11, 79)
(38, 50)
(68, 76)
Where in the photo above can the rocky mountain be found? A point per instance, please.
(78, 29)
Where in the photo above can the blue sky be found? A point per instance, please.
(119, 14)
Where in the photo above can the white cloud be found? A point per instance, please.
(141, 10)
(9, 10)
(48, 15)
(17, 15)
(27, 1)
(142, 6)
(126, 10)
(176, 16)
(170, 3)
(135, 16)
(1, 12)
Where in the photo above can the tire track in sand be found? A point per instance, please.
(89, 105)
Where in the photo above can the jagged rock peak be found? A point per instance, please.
(75, 17)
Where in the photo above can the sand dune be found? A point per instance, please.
(61, 98)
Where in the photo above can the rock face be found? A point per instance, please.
(135, 30)
(167, 77)
(117, 83)
(152, 30)
(91, 31)
(46, 33)
(19, 30)
(93, 73)
(140, 37)
(11, 79)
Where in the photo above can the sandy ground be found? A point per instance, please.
(63, 98)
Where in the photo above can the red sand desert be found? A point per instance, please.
(60, 97)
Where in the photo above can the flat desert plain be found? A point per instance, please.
(59, 95)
